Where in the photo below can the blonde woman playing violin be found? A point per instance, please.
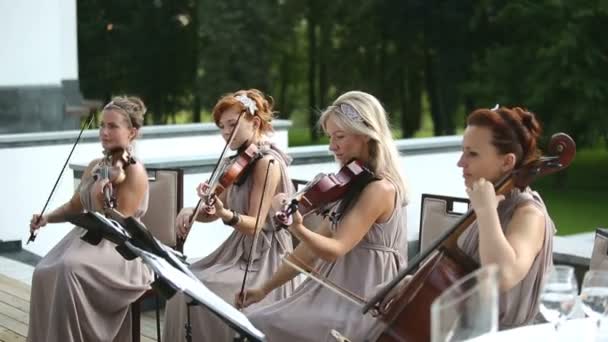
(222, 271)
(82, 292)
(362, 248)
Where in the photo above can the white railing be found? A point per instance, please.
(32, 161)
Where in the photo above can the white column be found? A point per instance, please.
(69, 40)
(30, 32)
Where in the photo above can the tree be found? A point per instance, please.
(547, 56)
(129, 47)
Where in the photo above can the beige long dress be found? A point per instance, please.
(313, 310)
(519, 305)
(222, 271)
(82, 292)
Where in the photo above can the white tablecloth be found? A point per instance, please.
(581, 329)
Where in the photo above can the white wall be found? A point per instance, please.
(31, 36)
(30, 172)
(433, 173)
(69, 40)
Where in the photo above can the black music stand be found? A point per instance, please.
(99, 227)
(173, 277)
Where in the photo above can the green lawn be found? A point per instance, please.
(580, 203)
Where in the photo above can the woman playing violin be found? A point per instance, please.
(363, 244)
(513, 231)
(82, 292)
(250, 113)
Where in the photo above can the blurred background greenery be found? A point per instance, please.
(430, 62)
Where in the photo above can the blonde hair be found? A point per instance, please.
(366, 116)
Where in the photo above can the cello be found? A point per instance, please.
(405, 316)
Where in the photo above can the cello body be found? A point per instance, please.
(408, 317)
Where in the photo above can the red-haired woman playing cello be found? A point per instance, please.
(513, 231)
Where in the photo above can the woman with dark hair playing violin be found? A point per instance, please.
(82, 292)
(513, 231)
(361, 244)
(244, 119)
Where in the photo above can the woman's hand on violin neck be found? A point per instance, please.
(98, 190)
(483, 196)
(182, 222)
(251, 296)
(297, 226)
(220, 210)
(202, 190)
(38, 222)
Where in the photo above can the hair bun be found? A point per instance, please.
(529, 121)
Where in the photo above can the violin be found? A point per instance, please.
(406, 316)
(227, 172)
(112, 168)
(322, 191)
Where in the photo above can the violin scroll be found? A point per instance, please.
(561, 152)
(562, 145)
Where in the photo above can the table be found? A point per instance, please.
(580, 329)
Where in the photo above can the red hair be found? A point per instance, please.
(264, 107)
(514, 130)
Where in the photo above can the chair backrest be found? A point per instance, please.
(599, 255)
(468, 308)
(437, 214)
(166, 200)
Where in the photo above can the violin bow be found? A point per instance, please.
(257, 231)
(198, 207)
(255, 241)
(33, 234)
(316, 276)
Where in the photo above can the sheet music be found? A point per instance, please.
(198, 291)
(111, 223)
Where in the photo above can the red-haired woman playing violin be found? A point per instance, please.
(363, 244)
(222, 271)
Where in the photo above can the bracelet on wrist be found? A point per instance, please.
(233, 220)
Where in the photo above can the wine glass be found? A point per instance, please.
(468, 308)
(594, 294)
(558, 297)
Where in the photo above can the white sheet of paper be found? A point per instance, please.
(198, 291)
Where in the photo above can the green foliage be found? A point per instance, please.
(577, 202)
(548, 56)
(138, 47)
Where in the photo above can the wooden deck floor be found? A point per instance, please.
(15, 307)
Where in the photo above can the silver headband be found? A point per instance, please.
(248, 103)
(351, 112)
(495, 108)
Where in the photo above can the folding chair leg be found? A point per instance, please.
(136, 321)
(157, 297)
